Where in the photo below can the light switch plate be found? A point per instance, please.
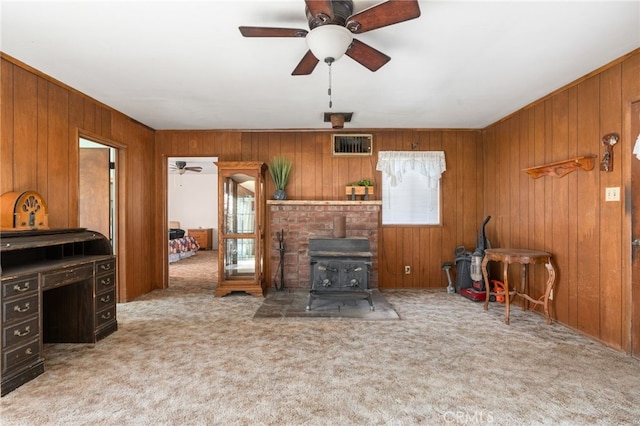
(612, 194)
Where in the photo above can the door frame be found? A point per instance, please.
(633, 195)
(121, 206)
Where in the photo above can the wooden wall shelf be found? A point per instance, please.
(561, 168)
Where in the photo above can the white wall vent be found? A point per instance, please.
(346, 144)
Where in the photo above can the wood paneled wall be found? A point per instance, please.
(589, 238)
(318, 175)
(569, 217)
(41, 120)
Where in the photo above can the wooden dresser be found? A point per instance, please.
(57, 286)
(204, 237)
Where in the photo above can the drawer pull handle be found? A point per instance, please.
(105, 281)
(24, 288)
(106, 267)
(28, 351)
(105, 299)
(27, 330)
(26, 308)
(106, 316)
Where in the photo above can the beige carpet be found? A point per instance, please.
(199, 272)
(184, 357)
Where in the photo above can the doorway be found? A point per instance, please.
(635, 234)
(192, 214)
(98, 189)
(110, 219)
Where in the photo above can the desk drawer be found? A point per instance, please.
(105, 283)
(19, 333)
(20, 286)
(105, 300)
(105, 266)
(106, 316)
(20, 308)
(68, 275)
(20, 355)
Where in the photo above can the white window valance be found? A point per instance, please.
(395, 164)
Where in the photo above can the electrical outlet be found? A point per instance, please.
(612, 194)
(407, 269)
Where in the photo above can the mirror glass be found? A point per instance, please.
(239, 204)
(239, 226)
(239, 258)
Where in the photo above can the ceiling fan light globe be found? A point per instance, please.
(329, 42)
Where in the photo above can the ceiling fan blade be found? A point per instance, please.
(320, 9)
(306, 65)
(367, 55)
(388, 13)
(272, 32)
(197, 169)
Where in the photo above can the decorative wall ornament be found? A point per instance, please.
(608, 140)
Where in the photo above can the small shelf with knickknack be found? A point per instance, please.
(561, 168)
(354, 191)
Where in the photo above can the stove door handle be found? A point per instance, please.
(326, 268)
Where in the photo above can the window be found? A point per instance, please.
(411, 186)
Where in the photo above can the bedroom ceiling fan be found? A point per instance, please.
(181, 168)
(332, 25)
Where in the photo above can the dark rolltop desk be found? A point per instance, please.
(57, 286)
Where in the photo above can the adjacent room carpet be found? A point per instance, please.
(184, 357)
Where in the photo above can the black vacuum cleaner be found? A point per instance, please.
(469, 279)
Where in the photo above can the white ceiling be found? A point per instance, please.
(184, 65)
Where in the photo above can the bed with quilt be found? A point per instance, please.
(180, 246)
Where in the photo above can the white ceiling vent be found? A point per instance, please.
(345, 144)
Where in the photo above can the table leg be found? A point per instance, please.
(547, 292)
(523, 285)
(507, 291)
(485, 276)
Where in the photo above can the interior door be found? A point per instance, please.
(94, 204)
(635, 232)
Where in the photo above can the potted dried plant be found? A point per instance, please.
(280, 169)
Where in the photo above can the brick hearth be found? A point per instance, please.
(300, 220)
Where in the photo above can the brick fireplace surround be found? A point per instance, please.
(301, 220)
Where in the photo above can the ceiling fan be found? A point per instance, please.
(181, 168)
(332, 25)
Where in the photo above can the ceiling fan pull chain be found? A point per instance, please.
(329, 91)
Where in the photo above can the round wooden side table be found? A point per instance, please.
(524, 257)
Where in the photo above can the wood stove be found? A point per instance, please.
(340, 267)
